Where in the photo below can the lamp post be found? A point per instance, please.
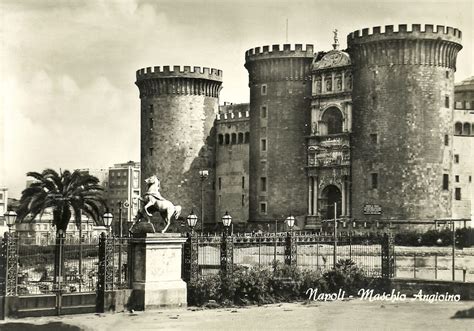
(454, 245)
(203, 174)
(227, 246)
(10, 217)
(226, 221)
(290, 245)
(192, 220)
(108, 220)
(290, 221)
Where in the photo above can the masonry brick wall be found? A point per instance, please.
(286, 76)
(400, 90)
(181, 134)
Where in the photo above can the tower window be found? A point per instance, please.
(456, 178)
(263, 111)
(264, 145)
(151, 151)
(457, 193)
(227, 139)
(151, 110)
(234, 138)
(374, 180)
(447, 73)
(373, 138)
(263, 184)
(220, 183)
(456, 158)
(446, 140)
(446, 101)
(240, 138)
(221, 139)
(243, 199)
(445, 182)
(247, 137)
(264, 89)
(151, 123)
(263, 207)
(243, 182)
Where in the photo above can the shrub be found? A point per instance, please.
(346, 276)
(281, 283)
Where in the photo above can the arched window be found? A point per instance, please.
(247, 137)
(234, 138)
(241, 138)
(458, 128)
(221, 139)
(333, 119)
(466, 129)
(227, 139)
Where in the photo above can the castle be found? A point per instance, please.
(365, 134)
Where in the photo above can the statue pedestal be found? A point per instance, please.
(156, 276)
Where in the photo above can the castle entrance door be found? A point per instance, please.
(330, 195)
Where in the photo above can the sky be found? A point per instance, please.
(67, 92)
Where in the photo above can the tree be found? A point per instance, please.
(66, 194)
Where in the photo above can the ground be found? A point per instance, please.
(337, 315)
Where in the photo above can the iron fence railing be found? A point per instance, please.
(304, 250)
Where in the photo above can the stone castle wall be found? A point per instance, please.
(178, 108)
(280, 82)
(403, 92)
(232, 163)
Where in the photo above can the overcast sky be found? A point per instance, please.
(67, 90)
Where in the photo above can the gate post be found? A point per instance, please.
(388, 256)
(190, 267)
(105, 281)
(290, 249)
(227, 253)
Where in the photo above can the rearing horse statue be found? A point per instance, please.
(154, 199)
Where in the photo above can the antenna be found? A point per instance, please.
(286, 30)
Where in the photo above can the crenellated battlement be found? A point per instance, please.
(179, 72)
(279, 51)
(404, 31)
(235, 115)
(405, 45)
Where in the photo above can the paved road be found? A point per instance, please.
(339, 315)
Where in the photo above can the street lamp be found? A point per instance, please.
(192, 220)
(290, 221)
(108, 220)
(227, 221)
(10, 217)
(203, 174)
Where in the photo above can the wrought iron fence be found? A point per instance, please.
(65, 266)
(304, 250)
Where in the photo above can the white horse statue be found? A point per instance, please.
(154, 199)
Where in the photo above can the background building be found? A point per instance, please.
(123, 189)
(463, 150)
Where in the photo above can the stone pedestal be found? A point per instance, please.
(156, 275)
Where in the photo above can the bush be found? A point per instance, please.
(281, 283)
(345, 276)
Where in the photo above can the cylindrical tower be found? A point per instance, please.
(178, 108)
(403, 91)
(280, 91)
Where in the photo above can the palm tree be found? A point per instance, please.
(66, 194)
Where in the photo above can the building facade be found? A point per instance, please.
(122, 194)
(369, 134)
(463, 150)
